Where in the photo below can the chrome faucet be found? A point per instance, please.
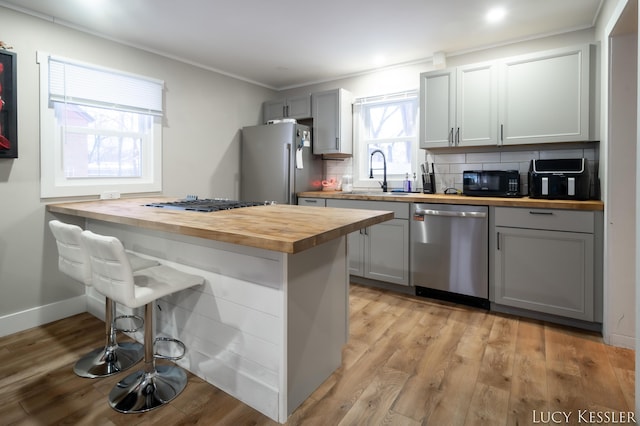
(384, 162)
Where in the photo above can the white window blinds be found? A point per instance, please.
(389, 98)
(84, 84)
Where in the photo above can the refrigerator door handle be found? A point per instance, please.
(287, 188)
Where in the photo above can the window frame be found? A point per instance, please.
(54, 183)
(361, 154)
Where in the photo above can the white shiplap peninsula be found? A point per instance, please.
(269, 323)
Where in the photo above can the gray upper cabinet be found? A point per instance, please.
(459, 106)
(332, 122)
(536, 98)
(437, 108)
(297, 107)
(544, 261)
(546, 97)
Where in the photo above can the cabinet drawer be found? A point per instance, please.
(551, 219)
(314, 202)
(400, 210)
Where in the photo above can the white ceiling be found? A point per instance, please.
(287, 43)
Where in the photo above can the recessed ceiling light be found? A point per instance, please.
(496, 14)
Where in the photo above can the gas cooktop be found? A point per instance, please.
(206, 204)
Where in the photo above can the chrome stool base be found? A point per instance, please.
(140, 392)
(103, 362)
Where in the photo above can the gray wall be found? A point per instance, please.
(618, 129)
(201, 136)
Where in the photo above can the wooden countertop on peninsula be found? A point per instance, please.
(283, 228)
(589, 205)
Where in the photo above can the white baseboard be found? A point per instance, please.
(95, 306)
(24, 320)
(621, 341)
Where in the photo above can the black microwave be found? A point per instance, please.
(491, 183)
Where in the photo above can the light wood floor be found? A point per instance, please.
(409, 361)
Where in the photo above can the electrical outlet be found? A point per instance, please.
(110, 195)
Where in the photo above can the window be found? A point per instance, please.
(390, 124)
(100, 130)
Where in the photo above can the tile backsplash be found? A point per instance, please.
(450, 164)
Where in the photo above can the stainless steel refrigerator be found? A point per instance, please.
(277, 162)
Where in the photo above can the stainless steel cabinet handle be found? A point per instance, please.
(428, 212)
(311, 201)
(542, 213)
(498, 240)
(501, 142)
(451, 137)
(458, 136)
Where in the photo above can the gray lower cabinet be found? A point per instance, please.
(544, 260)
(379, 252)
(314, 202)
(355, 244)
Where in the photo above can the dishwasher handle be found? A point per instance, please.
(445, 213)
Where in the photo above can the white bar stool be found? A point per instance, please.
(113, 276)
(73, 260)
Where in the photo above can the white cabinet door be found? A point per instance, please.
(545, 271)
(355, 246)
(387, 252)
(544, 97)
(477, 105)
(379, 252)
(332, 133)
(459, 107)
(273, 110)
(437, 108)
(299, 107)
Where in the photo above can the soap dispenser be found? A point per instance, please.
(407, 184)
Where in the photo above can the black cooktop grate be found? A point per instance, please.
(206, 204)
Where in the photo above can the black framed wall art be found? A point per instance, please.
(8, 104)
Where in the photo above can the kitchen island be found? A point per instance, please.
(269, 323)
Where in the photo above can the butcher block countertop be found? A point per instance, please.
(590, 205)
(282, 228)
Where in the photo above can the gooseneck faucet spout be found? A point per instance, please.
(384, 162)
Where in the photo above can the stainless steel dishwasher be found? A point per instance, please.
(450, 252)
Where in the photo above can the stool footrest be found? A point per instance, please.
(181, 347)
(136, 320)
